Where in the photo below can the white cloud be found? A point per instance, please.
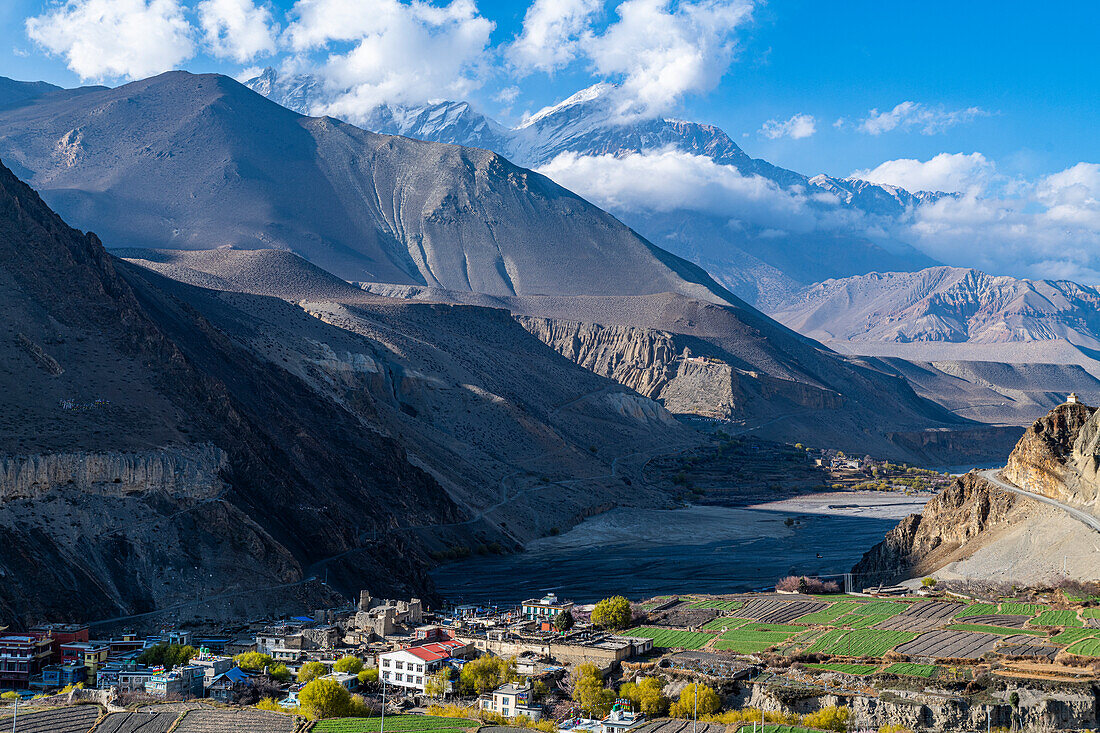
(796, 128)
(397, 52)
(551, 34)
(237, 29)
(954, 172)
(104, 39)
(909, 115)
(1049, 228)
(667, 180)
(659, 54)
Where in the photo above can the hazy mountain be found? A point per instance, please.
(945, 304)
(758, 263)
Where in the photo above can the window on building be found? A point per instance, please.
(385, 662)
(399, 664)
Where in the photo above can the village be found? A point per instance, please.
(805, 657)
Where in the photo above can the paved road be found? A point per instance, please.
(993, 476)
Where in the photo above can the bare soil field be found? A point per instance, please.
(137, 723)
(778, 612)
(943, 644)
(921, 616)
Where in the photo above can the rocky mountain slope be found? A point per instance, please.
(111, 382)
(385, 209)
(976, 531)
(169, 445)
(360, 205)
(758, 263)
(728, 361)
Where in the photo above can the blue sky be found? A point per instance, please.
(995, 101)
(1034, 69)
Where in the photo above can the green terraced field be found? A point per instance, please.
(978, 609)
(672, 638)
(1011, 608)
(827, 615)
(994, 629)
(860, 670)
(1069, 636)
(752, 641)
(721, 622)
(716, 603)
(862, 621)
(1086, 648)
(395, 724)
(908, 669)
(784, 628)
(1054, 617)
(1091, 613)
(859, 642)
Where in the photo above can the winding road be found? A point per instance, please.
(993, 476)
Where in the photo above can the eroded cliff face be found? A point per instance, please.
(1058, 456)
(189, 471)
(951, 521)
(678, 371)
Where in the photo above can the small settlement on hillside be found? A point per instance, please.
(917, 661)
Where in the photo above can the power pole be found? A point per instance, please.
(382, 723)
(15, 716)
(695, 722)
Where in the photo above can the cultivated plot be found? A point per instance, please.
(944, 644)
(779, 612)
(672, 638)
(137, 723)
(74, 719)
(921, 616)
(858, 642)
(211, 720)
(993, 619)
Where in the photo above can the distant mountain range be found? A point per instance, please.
(945, 304)
(760, 264)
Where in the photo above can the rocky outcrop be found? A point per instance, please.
(1058, 456)
(663, 366)
(923, 542)
(991, 531)
(944, 710)
(190, 471)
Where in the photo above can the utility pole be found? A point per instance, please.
(695, 722)
(15, 716)
(382, 723)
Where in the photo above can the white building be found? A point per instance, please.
(546, 608)
(411, 667)
(512, 700)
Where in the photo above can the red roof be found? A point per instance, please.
(435, 651)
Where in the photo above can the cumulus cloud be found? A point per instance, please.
(397, 52)
(1048, 228)
(796, 128)
(952, 172)
(659, 53)
(237, 29)
(105, 39)
(667, 180)
(913, 115)
(655, 51)
(551, 34)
